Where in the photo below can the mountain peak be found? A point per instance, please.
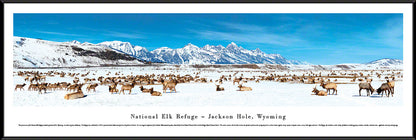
(164, 48)
(232, 45)
(75, 42)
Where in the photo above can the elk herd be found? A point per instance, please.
(37, 81)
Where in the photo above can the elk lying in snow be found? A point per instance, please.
(219, 88)
(74, 95)
(366, 86)
(20, 86)
(144, 90)
(155, 93)
(319, 92)
(73, 87)
(243, 88)
(170, 84)
(329, 86)
(92, 86)
(127, 87)
(384, 88)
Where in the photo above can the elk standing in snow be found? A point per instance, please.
(319, 92)
(170, 84)
(19, 86)
(366, 86)
(243, 88)
(128, 87)
(329, 86)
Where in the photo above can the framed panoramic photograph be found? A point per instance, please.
(144, 70)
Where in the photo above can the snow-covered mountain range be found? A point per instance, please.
(29, 52)
(209, 54)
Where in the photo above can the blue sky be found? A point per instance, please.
(314, 38)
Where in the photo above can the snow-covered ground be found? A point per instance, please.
(265, 93)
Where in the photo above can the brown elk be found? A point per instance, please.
(113, 88)
(243, 88)
(329, 86)
(391, 84)
(128, 87)
(366, 86)
(369, 80)
(63, 85)
(170, 84)
(52, 87)
(33, 86)
(73, 87)
(383, 89)
(237, 80)
(74, 95)
(319, 92)
(27, 78)
(20, 86)
(92, 86)
(219, 88)
(155, 93)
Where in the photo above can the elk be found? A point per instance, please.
(366, 86)
(43, 87)
(27, 78)
(384, 88)
(369, 80)
(52, 87)
(33, 86)
(92, 86)
(155, 93)
(237, 80)
(329, 86)
(319, 92)
(74, 95)
(170, 84)
(144, 90)
(73, 87)
(19, 86)
(219, 88)
(243, 88)
(113, 88)
(127, 87)
(42, 78)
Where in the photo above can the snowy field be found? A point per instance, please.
(264, 93)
